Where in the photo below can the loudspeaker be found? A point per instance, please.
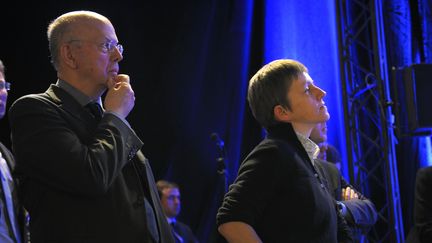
(412, 98)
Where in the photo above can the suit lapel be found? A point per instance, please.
(66, 102)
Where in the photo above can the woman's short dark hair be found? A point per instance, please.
(269, 87)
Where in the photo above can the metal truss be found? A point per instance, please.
(367, 114)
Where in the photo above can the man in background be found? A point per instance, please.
(82, 175)
(11, 213)
(358, 211)
(328, 152)
(169, 193)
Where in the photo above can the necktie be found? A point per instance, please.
(177, 237)
(95, 109)
(6, 178)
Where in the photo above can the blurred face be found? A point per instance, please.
(171, 202)
(96, 63)
(3, 96)
(319, 133)
(307, 105)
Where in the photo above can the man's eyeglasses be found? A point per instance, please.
(107, 47)
(5, 85)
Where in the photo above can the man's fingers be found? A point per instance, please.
(349, 193)
(122, 78)
(353, 194)
(114, 82)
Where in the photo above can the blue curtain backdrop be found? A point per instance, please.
(307, 31)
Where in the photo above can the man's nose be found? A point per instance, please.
(118, 56)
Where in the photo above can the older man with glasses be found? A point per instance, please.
(84, 177)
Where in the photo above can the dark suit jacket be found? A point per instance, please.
(185, 232)
(19, 210)
(361, 212)
(423, 205)
(82, 180)
(277, 193)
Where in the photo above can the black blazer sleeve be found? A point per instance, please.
(248, 195)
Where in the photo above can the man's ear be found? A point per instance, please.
(67, 55)
(281, 113)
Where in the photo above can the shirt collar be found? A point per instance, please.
(311, 148)
(76, 94)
